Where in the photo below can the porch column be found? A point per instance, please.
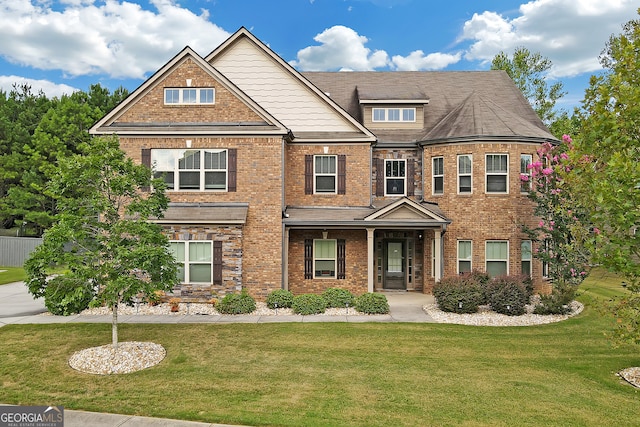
(437, 274)
(285, 260)
(370, 257)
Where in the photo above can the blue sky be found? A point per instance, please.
(64, 45)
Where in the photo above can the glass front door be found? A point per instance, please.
(394, 277)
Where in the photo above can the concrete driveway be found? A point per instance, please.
(16, 301)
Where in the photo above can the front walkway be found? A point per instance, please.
(18, 307)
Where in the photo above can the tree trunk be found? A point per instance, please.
(114, 326)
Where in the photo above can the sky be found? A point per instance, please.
(59, 46)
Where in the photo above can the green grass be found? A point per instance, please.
(12, 274)
(339, 374)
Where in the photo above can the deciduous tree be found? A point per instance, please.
(102, 233)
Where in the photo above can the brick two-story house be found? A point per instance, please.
(366, 181)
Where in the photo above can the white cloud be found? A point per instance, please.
(571, 33)
(49, 88)
(418, 61)
(340, 48)
(116, 38)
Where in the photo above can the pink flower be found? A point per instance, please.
(564, 156)
(596, 230)
(541, 224)
(547, 171)
(566, 138)
(524, 177)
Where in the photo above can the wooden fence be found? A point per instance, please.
(14, 251)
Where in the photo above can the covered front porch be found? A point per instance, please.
(395, 247)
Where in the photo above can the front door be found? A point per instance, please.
(394, 270)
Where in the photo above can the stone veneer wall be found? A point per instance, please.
(231, 238)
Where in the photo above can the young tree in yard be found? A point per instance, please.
(528, 71)
(101, 234)
(607, 166)
(563, 235)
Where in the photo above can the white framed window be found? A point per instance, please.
(195, 259)
(526, 255)
(191, 170)
(464, 256)
(393, 114)
(497, 172)
(324, 258)
(464, 174)
(189, 95)
(438, 175)
(525, 172)
(497, 257)
(395, 177)
(325, 174)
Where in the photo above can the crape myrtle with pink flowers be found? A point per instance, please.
(563, 234)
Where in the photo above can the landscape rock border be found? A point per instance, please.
(131, 356)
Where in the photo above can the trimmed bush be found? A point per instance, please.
(282, 297)
(64, 296)
(508, 296)
(308, 304)
(371, 303)
(241, 303)
(338, 298)
(459, 294)
(558, 302)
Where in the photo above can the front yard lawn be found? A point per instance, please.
(11, 274)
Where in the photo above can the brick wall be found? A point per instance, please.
(358, 157)
(356, 262)
(151, 108)
(479, 216)
(259, 183)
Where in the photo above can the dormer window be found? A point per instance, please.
(189, 96)
(394, 114)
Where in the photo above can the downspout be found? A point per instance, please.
(285, 242)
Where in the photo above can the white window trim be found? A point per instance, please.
(470, 259)
(176, 170)
(487, 174)
(434, 176)
(460, 174)
(335, 259)
(530, 259)
(404, 178)
(386, 115)
(486, 259)
(317, 174)
(188, 262)
(181, 91)
(527, 173)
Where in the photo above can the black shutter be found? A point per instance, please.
(308, 174)
(146, 161)
(217, 262)
(232, 160)
(379, 177)
(342, 258)
(342, 174)
(308, 258)
(411, 169)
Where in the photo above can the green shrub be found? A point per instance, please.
(508, 295)
(64, 296)
(459, 294)
(280, 298)
(241, 303)
(371, 303)
(308, 304)
(338, 298)
(558, 302)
